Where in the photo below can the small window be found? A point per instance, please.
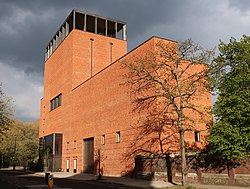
(67, 165)
(79, 21)
(51, 105)
(103, 139)
(75, 144)
(111, 44)
(197, 136)
(101, 26)
(111, 29)
(56, 102)
(60, 100)
(67, 147)
(90, 25)
(118, 137)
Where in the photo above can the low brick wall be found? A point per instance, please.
(164, 168)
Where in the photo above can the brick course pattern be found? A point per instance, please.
(97, 103)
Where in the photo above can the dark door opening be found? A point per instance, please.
(88, 154)
(75, 165)
(67, 165)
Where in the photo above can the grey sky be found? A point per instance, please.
(26, 26)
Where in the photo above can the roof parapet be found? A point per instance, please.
(89, 23)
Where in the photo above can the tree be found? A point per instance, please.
(19, 143)
(230, 136)
(6, 110)
(166, 83)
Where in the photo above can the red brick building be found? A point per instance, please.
(86, 109)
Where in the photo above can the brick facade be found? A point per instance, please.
(96, 104)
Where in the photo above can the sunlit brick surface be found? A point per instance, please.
(97, 105)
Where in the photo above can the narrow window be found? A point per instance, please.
(79, 21)
(111, 45)
(103, 139)
(56, 102)
(118, 137)
(67, 165)
(75, 144)
(90, 25)
(67, 147)
(101, 26)
(60, 100)
(197, 136)
(51, 105)
(75, 165)
(111, 29)
(120, 31)
(91, 56)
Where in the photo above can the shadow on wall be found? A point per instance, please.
(161, 84)
(150, 154)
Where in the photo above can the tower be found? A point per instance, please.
(83, 45)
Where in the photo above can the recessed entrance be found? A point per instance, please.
(88, 154)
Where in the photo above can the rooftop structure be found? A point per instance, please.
(89, 23)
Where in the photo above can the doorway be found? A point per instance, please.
(67, 165)
(75, 165)
(88, 154)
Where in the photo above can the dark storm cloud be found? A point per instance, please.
(243, 5)
(27, 26)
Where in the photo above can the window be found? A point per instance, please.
(56, 102)
(79, 21)
(111, 44)
(197, 136)
(90, 25)
(101, 26)
(118, 137)
(51, 105)
(75, 165)
(67, 146)
(60, 100)
(103, 139)
(67, 165)
(111, 29)
(75, 144)
(91, 55)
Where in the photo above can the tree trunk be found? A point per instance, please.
(183, 159)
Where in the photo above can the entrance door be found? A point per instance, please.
(67, 165)
(75, 165)
(88, 154)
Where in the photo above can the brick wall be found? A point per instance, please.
(97, 105)
(155, 167)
